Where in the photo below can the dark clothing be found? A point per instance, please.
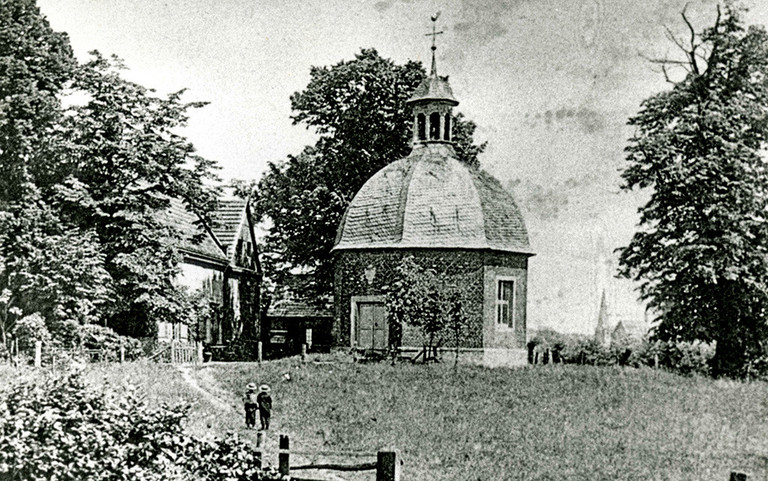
(264, 420)
(251, 406)
(265, 409)
(250, 414)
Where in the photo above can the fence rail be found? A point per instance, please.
(387, 465)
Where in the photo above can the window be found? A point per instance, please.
(421, 122)
(434, 126)
(505, 303)
(447, 133)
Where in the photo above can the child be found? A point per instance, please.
(251, 405)
(265, 405)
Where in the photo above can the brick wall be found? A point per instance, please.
(369, 272)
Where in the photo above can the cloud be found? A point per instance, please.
(382, 6)
(587, 120)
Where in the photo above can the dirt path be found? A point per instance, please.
(202, 381)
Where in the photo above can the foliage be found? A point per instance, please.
(93, 336)
(48, 268)
(358, 108)
(30, 329)
(35, 65)
(702, 253)
(61, 428)
(83, 187)
(680, 357)
(422, 298)
(125, 164)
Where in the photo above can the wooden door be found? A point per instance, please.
(371, 326)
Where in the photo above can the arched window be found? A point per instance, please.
(421, 126)
(434, 126)
(447, 123)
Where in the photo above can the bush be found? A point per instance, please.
(30, 329)
(108, 341)
(60, 428)
(681, 357)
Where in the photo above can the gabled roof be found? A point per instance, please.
(229, 219)
(194, 238)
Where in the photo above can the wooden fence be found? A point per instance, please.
(386, 467)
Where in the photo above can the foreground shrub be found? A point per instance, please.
(62, 429)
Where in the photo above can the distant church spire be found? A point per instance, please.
(432, 102)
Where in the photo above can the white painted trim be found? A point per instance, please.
(512, 303)
(353, 301)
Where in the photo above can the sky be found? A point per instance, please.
(550, 83)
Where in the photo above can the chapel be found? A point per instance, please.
(447, 216)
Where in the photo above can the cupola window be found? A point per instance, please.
(434, 126)
(447, 124)
(421, 125)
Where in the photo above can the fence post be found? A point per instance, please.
(738, 476)
(388, 466)
(122, 352)
(284, 456)
(259, 351)
(38, 353)
(199, 346)
(259, 447)
(304, 352)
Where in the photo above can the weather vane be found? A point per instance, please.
(433, 35)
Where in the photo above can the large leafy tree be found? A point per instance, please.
(359, 110)
(124, 163)
(701, 254)
(95, 176)
(35, 65)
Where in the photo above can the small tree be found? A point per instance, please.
(420, 297)
(456, 320)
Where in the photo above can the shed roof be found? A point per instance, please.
(297, 308)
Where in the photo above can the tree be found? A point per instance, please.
(35, 65)
(124, 164)
(701, 255)
(424, 298)
(90, 183)
(359, 110)
(48, 269)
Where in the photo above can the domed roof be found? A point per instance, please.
(430, 199)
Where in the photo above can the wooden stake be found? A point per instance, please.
(38, 353)
(387, 466)
(259, 351)
(284, 456)
(259, 447)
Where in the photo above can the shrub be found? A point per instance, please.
(60, 428)
(108, 341)
(30, 329)
(681, 357)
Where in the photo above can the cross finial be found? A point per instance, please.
(434, 34)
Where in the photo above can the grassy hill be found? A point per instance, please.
(552, 422)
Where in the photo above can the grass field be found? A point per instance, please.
(552, 422)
